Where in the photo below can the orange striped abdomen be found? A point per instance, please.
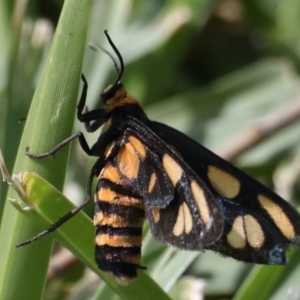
(118, 221)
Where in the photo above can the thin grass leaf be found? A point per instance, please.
(264, 281)
(49, 121)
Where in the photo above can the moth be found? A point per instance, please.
(193, 199)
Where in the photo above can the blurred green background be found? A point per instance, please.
(212, 69)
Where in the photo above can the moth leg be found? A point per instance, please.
(52, 152)
(98, 116)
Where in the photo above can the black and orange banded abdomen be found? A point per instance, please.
(118, 224)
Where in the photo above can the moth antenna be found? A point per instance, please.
(118, 54)
(96, 47)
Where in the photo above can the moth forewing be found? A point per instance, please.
(192, 219)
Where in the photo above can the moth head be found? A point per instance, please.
(114, 94)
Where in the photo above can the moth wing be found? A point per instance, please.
(259, 225)
(181, 209)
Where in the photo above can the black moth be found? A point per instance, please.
(193, 199)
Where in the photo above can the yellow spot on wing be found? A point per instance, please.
(129, 161)
(246, 229)
(184, 221)
(172, 168)
(179, 225)
(138, 146)
(155, 214)
(254, 232)
(152, 182)
(200, 199)
(278, 216)
(236, 238)
(224, 183)
(188, 220)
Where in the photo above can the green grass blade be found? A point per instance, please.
(49, 121)
(263, 281)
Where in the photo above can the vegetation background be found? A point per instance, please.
(224, 72)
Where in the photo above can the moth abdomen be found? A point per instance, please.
(120, 262)
(118, 227)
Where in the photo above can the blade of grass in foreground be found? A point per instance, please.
(49, 121)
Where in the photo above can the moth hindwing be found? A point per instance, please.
(193, 199)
